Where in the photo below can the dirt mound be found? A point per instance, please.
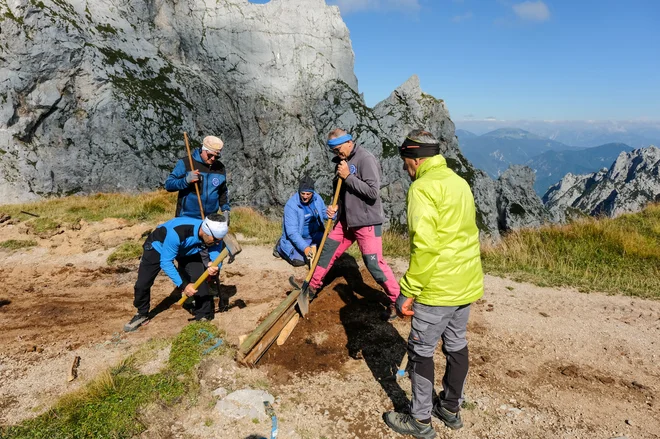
(344, 323)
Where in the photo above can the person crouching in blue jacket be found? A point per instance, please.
(194, 244)
(302, 226)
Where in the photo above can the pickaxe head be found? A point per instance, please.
(232, 245)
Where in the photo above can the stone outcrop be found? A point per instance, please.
(95, 96)
(628, 185)
(518, 208)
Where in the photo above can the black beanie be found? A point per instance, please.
(306, 184)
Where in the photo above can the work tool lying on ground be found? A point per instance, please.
(273, 419)
(258, 342)
(231, 248)
(402, 367)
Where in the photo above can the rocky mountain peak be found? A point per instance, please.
(628, 185)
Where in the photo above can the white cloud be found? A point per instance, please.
(350, 6)
(459, 18)
(532, 11)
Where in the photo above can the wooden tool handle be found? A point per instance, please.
(192, 168)
(328, 226)
(223, 254)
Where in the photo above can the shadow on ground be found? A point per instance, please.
(344, 324)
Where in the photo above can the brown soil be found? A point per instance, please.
(344, 322)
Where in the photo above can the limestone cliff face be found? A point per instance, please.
(95, 96)
(631, 182)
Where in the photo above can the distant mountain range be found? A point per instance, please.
(552, 166)
(495, 151)
(586, 134)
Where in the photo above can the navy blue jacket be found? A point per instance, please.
(213, 187)
(179, 237)
(294, 221)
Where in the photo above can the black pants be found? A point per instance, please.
(190, 269)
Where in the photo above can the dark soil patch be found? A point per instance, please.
(344, 324)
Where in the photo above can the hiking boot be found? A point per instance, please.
(389, 314)
(404, 423)
(297, 283)
(276, 253)
(137, 321)
(189, 305)
(451, 419)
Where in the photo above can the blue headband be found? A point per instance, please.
(339, 140)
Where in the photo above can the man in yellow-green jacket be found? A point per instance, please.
(444, 277)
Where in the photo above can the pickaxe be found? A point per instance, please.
(231, 249)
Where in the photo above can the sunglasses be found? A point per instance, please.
(211, 156)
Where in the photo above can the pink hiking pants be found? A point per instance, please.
(370, 241)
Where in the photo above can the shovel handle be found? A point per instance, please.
(223, 254)
(328, 226)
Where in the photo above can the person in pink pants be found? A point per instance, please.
(360, 216)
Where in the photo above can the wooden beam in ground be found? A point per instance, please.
(288, 329)
(252, 357)
(255, 337)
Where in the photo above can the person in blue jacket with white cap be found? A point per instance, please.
(302, 226)
(194, 244)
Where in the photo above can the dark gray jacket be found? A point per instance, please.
(359, 200)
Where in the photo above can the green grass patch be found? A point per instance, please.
(43, 225)
(15, 244)
(110, 406)
(253, 224)
(620, 255)
(130, 251)
(153, 206)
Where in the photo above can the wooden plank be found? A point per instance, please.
(288, 329)
(287, 305)
(268, 339)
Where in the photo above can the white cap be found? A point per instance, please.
(216, 229)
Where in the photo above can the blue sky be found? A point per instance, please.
(510, 60)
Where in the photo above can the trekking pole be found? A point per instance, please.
(192, 168)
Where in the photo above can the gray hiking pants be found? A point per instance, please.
(429, 325)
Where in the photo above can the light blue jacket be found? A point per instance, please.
(179, 237)
(294, 222)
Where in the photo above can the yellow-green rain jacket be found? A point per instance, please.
(445, 263)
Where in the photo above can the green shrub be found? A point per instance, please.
(15, 244)
(130, 251)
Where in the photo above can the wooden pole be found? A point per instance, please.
(276, 315)
(192, 168)
(258, 342)
(267, 340)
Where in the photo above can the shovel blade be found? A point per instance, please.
(303, 302)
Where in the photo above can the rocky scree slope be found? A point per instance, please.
(94, 96)
(628, 185)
